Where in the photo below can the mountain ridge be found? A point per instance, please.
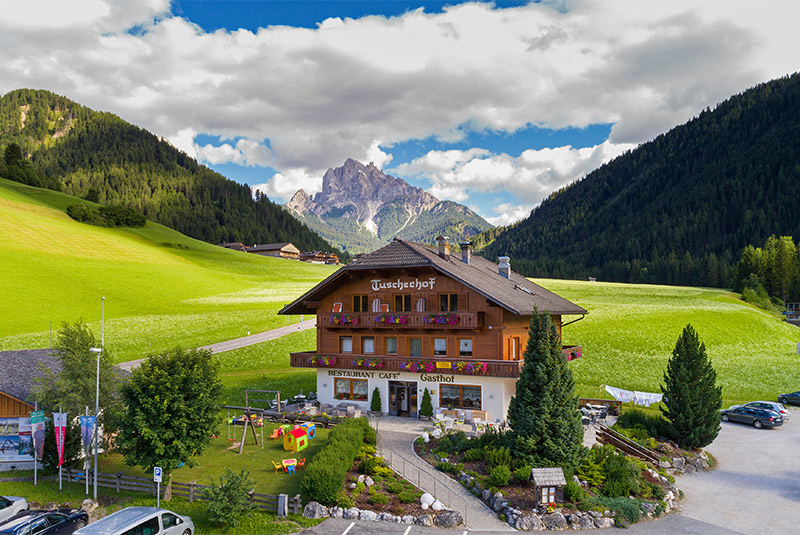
(361, 208)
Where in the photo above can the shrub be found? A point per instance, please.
(82, 212)
(394, 488)
(626, 510)
(446, 445)
(344, 501)
(376, 405)
(426, 407)
(500, 476)
(473, 455)
(121, 216)
(622, 476)
(382, 471)
(573, 492)
(365, 451)
(635, 418)
(459, 441)
(444, 466)
(326, 472)
(378, 498)
(458, 468)
(497, 456)
(521, 475)
(359, 488)
(408, 496)
(229, 500)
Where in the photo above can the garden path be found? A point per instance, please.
(244, 341)
(395, 438)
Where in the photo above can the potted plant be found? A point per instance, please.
(376, 405)
(426, 407)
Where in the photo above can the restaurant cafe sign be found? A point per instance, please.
(391, 376)
(416, 284)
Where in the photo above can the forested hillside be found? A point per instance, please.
(68, 147)
(678, 209)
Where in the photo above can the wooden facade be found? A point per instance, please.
(11, 407)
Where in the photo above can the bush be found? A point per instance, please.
(626, 510)
(445, 445)
(394, 488)
(459, 441)
(229, 501)
(360, 486)
(522, 474)
(326, 472)
(635, 418)
(500, 476)
(444, 466)
(574, 493)
(121, 216)
(497, 456)
(370, 464)
(408, 496)
(378, 499)
(426, 407)
(376, 405)
(622, 476)
(344, 501)
(473, 455)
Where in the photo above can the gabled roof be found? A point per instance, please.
(19, 368)
(273, 247)
(546, 477)
(516, 294)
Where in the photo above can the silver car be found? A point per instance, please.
(140, 521)
(11, 505)
(767, 405)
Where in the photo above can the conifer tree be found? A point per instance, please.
(426, 407)
(692, 399)
(545, 423)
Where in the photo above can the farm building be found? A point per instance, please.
(278, 250)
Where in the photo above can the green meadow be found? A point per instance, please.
(162, 288)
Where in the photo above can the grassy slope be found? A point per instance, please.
(161, 287)
(631, 330)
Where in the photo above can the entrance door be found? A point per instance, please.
(403, 398)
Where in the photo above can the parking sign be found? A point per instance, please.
(157, 474)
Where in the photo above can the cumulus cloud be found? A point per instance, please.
(307, 99)
(285, 184)
(530, 177)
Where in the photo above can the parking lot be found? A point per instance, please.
(754, 490)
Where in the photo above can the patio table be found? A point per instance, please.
(290, 465)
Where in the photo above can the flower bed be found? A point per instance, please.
(322, 362)
(472, 367)
(369, 364)
(440, 319)
(345, 319)
(417, 366)
(391, 319)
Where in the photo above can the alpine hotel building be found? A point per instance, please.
(408, 317)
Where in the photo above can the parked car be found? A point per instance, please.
(11, 505)
(767, 405)
(140, 521)
(36, 522)
(793, 398)
(758, 418)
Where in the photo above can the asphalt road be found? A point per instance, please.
(754, 490)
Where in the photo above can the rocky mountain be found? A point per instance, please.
(360, 208)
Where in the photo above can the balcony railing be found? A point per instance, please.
(403, 320)
(383, 363)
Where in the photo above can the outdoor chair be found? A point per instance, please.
(448, 423)
(356, 413)
(276, 433)
(302, 463)
(277, 466)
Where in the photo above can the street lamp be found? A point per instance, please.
(97, 350)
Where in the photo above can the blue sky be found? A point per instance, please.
(494, 105)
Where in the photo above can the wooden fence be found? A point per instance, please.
(606, 435)
(280, 505)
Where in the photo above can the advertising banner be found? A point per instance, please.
(60, 426)
(15, 440)
(37, 431)
(87, 429)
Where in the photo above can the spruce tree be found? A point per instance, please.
(545, 423)
(426, 407)
(692, 399)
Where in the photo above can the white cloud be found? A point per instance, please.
(322, 95)
(529, 177)
(283, 185)
(508, 213)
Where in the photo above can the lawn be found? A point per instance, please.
(162, 289)
(258, 523)
(631, 330)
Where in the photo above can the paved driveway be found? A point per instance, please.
(755, 490)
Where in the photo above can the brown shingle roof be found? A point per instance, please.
(516, 294)
(271, 247)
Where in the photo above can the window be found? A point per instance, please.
(415, 347)
(460, 396)
(465, 347)
(360, 303)
(513, 348)
(391, 345)
(440, 347)
(169, 520)
(368, 344)
(402, 303)
(547, 495)
(149, 527)
(448, 302)
(345, 344)
(351, 389)
(37, 528)
(55, 518)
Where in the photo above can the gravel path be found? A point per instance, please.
(244, 341)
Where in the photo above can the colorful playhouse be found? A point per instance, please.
(295, 440)
(311, 429)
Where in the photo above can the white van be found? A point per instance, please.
(140, 521)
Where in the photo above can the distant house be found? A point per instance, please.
(319, 257)
(278, 250)
(235, 245)
(20, 368)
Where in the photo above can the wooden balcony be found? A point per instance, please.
(384, 363)
(404, 320)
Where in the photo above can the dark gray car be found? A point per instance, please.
(793, 398)
(758, 418)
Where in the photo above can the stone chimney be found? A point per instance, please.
(444, 247)
(504, 267)
(466, 251)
